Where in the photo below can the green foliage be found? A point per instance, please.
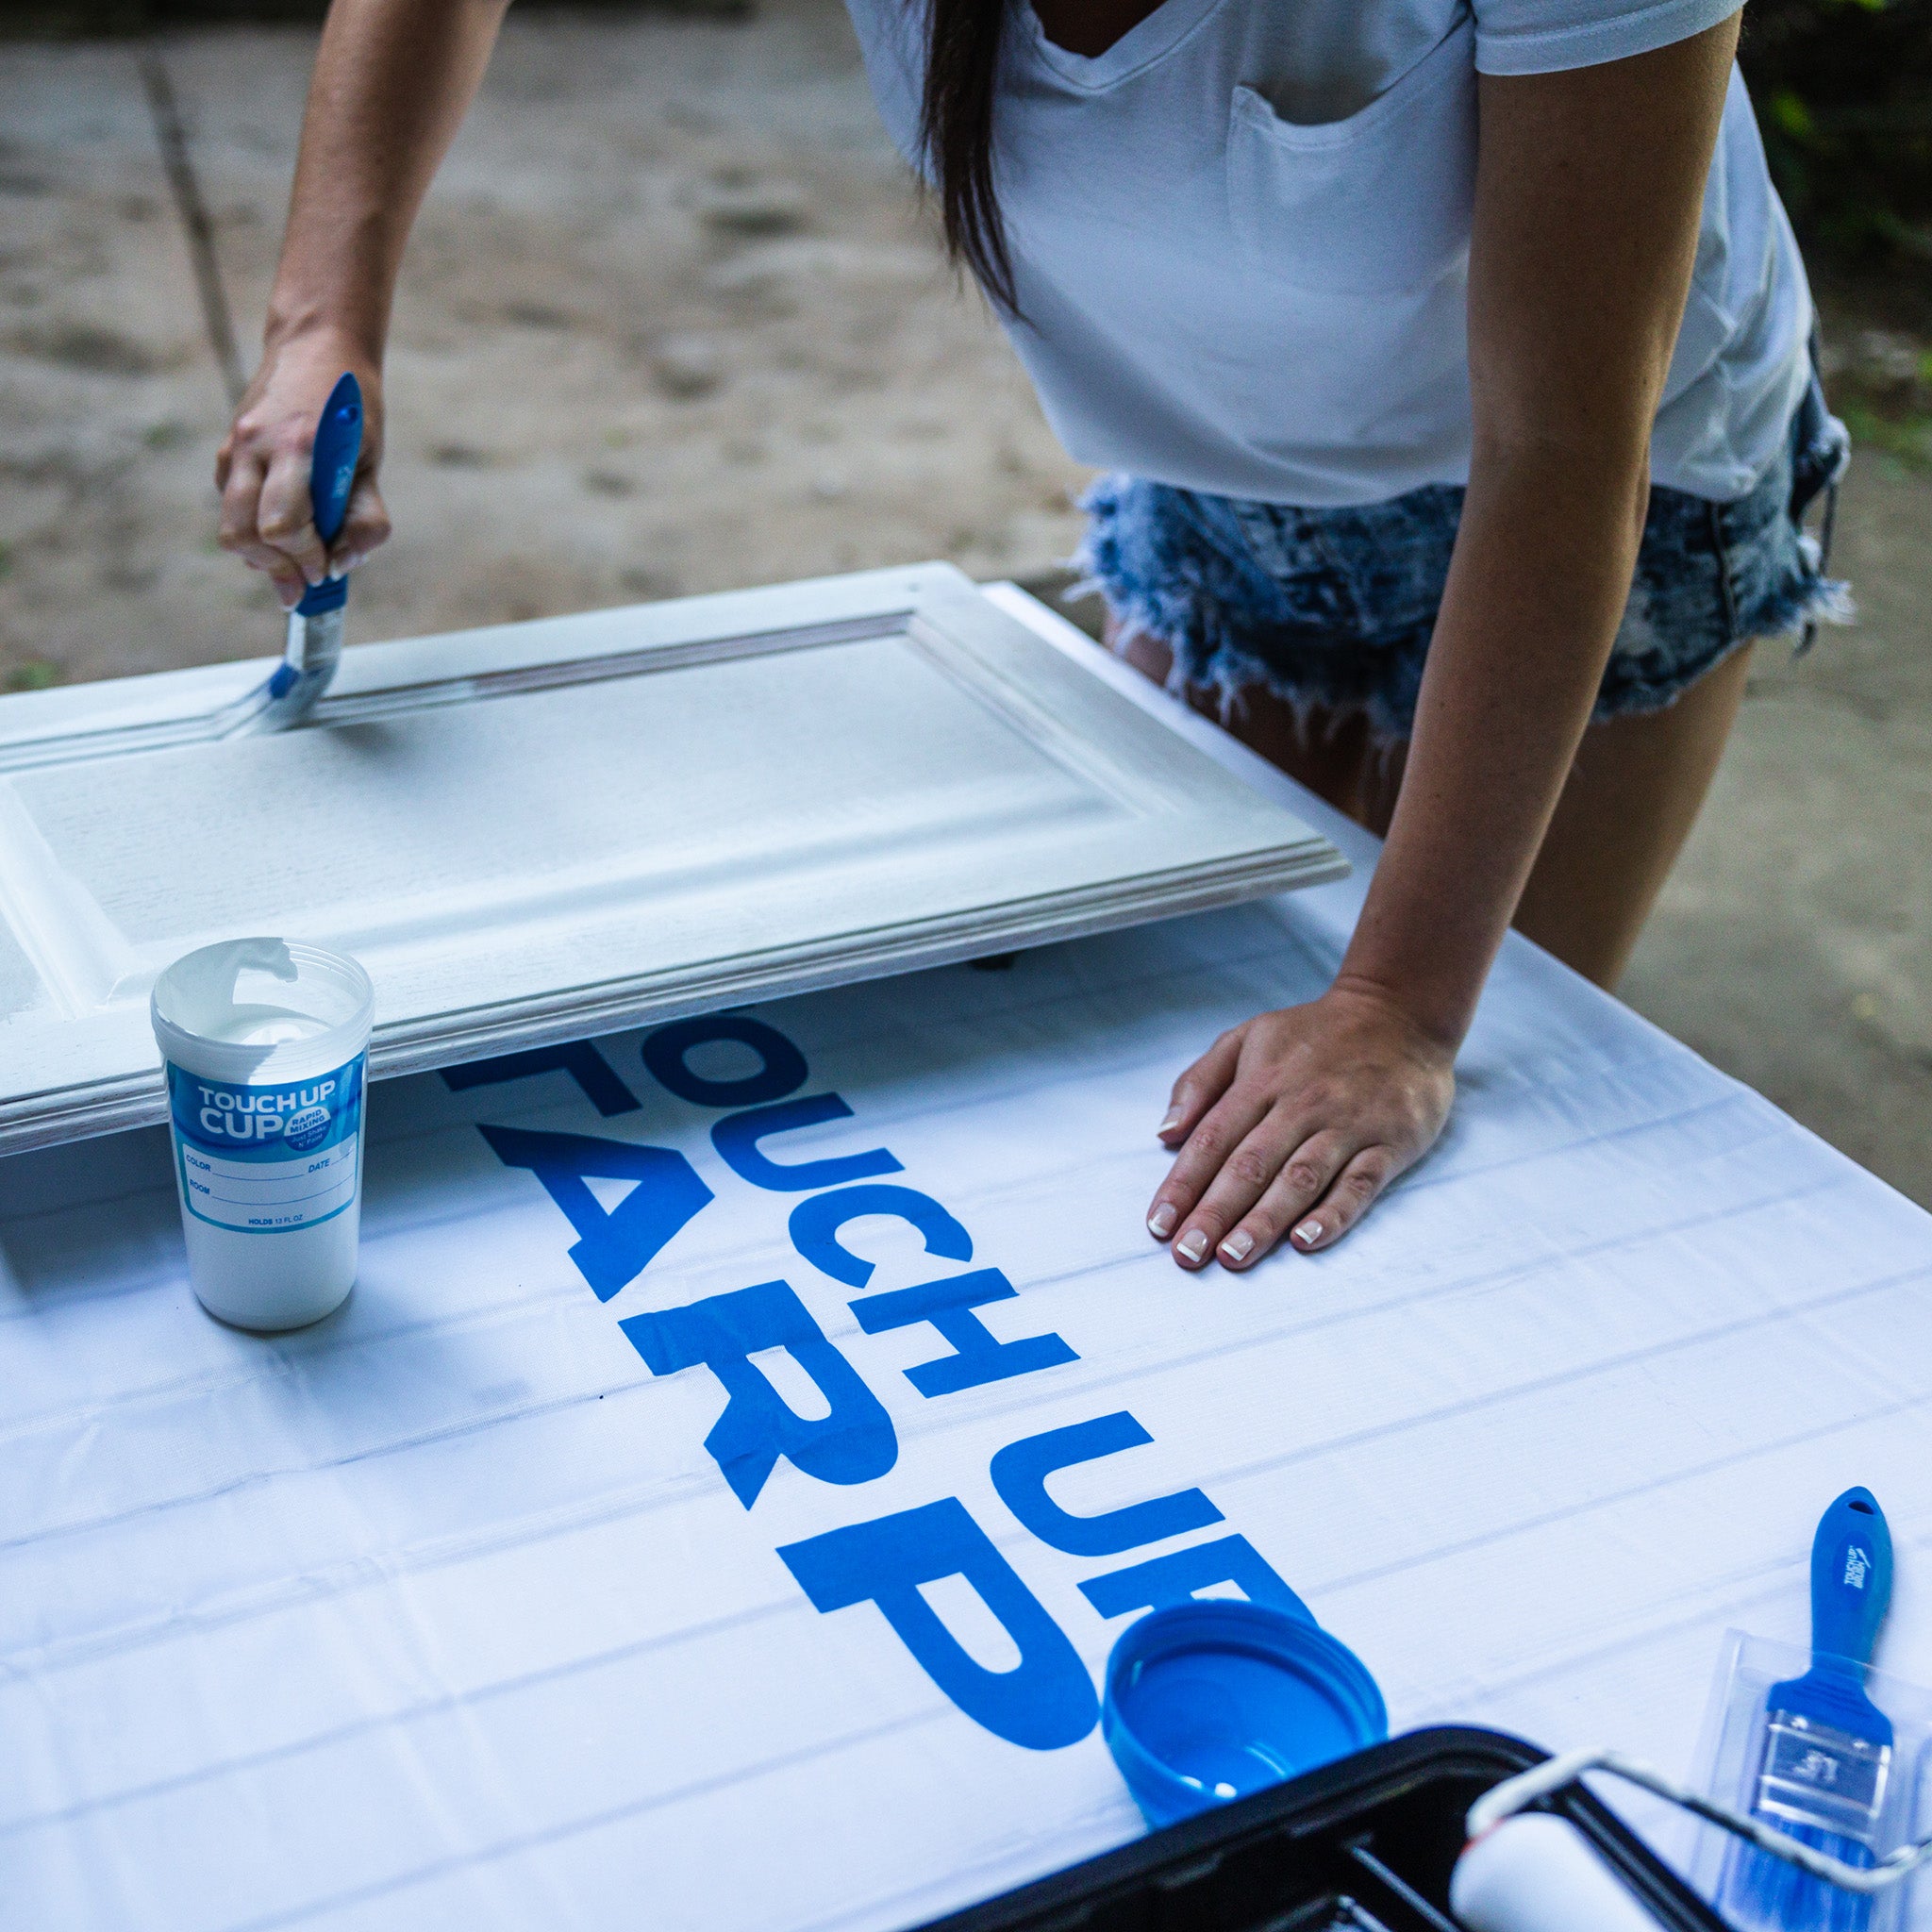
(1907, 441)
(1843, 90)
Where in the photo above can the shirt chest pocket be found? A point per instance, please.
(1373, 205)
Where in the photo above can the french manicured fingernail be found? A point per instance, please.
(1309, 1233)
(1195, 1246)
(1238, 1246)
(1170, 1123)
(1160, 1223)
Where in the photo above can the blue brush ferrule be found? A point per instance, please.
(330, 595)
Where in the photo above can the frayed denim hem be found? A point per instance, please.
(1635, 682)
(1162, 581)
(1331, 611)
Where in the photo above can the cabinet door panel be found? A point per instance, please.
(540, 831)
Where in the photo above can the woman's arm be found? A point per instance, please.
(392, 81)
(1588, 188)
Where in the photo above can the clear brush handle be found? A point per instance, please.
(1851, 1578)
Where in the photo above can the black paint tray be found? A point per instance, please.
(1382, 1828)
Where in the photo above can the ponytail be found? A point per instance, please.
(962, 60)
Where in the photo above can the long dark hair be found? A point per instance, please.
(955, 134)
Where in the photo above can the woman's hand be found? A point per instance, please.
(262, 467)
(1295, 1122)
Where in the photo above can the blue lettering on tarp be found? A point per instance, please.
(737, 1137)
(853, 1443)
(1172, 1580)
(1044, 1702)
(613, 1247)
(815, 1227)
(579, 1060)
(978, 1355)
(1020, 1471)
(783, 1071)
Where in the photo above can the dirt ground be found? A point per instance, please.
(673, 321)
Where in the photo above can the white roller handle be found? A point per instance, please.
(1535, 1872)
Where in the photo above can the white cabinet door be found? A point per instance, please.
(547, 831)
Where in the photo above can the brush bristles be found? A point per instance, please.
(1765, 1894)
(1822, 1781)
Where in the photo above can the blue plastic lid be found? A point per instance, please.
(1210, 1700)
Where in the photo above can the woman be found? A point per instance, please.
(1453, 362)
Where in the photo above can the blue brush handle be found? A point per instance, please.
(331, 478)
(1851, 1578)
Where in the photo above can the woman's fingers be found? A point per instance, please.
(1353, 1191)
(1279, 1158)
(1305, 1177)
(1200, 1087)
(240, 477)
(365, 528)
(239, 530)
(1214, 1140)
(286, 516)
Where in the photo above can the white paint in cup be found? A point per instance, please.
(264, 1048)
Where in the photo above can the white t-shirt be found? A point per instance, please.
(1241, 239)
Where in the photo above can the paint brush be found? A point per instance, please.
(1827, 1750)
(314, 644)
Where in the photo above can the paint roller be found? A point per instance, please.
(1525, 1871)
(1537, 1872)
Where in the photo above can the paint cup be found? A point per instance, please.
(1208, 1701)
(264, 1044)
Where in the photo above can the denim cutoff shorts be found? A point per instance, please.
(1332, 609)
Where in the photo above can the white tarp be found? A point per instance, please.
(443, 1614)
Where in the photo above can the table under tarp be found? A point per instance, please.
(715, 1504)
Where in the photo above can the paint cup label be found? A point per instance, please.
(266, 1160)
